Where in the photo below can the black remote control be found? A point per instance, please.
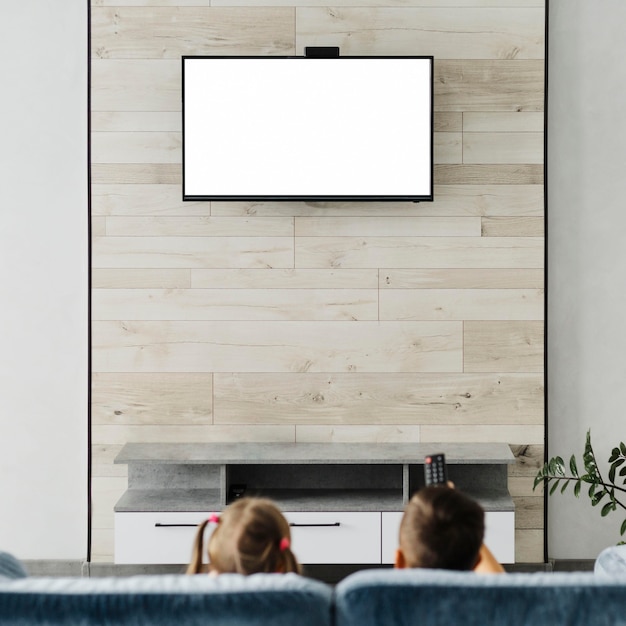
(435, 472)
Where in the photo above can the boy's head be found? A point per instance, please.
(441, 529)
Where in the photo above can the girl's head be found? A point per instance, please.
(251, 536)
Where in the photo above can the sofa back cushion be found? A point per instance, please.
(444, 598)
(611, 562)
(10, 567)
(227, 600)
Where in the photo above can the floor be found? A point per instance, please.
(327, 573)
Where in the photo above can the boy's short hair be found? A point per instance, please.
(442, 528)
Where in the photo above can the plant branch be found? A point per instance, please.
(595, 482)
(554, 472)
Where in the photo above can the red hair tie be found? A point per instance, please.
(284, 544)
(214, 519)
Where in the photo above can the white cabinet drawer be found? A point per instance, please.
(499, 535)
(335, 537)
(389, 535)
(167, 538)
(156, 538)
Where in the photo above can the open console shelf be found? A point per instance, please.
(344, 501)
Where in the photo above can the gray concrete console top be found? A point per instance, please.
(312, 453)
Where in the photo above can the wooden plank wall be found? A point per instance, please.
(320, 322)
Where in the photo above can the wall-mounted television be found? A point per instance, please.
(307, 128)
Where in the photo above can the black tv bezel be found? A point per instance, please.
(308, 197)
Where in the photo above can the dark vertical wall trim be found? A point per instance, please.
(545, 271)
(89, 511)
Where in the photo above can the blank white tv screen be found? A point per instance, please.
(299, 128)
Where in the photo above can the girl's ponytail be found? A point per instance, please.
(195, 567)
(290, 563)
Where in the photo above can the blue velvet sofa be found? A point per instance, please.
(444, 598)
(172, 600)
(366, 598)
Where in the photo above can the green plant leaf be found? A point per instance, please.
(614, 467)
(590, 464)
(554, 486)
(614, 455)
(622, 530)
(572, 466)
(622, 472)
(577, 487)
(606, 509)
(589, 457)
(564, 487)
(555, 466)
(622, 447)
(597, 497)
(538, 480)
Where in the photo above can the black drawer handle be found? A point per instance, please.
(308, 525)
(159, 525)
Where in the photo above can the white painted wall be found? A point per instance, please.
(587, 255)
(43, 279)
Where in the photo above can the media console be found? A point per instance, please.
(343, 501)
